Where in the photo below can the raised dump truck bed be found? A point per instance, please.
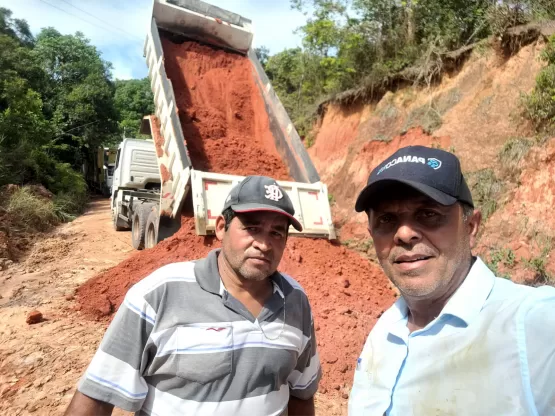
(207, 24)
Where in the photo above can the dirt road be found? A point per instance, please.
(40, 364)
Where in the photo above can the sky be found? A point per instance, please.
(118, 27)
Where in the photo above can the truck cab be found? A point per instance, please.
(136, 169)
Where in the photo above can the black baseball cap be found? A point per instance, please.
(432, 172)
(261, 193)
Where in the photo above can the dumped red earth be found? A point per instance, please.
(227, 130)
(222, 113)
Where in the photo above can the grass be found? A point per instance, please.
(363, 246)
(426, 116)
(503, 256)
(538, 264)
(29, 212)
(429, 116)
(486, 190)
(510, 156)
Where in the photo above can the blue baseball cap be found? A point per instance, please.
(432, 172)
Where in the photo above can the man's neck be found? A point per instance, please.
(252, 293)
(424, 311)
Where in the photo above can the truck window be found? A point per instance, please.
(117, 158)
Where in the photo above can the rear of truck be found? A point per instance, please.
(200, 22)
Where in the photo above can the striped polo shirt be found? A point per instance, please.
(180, 344)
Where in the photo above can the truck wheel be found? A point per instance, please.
(138, 226)
(118, 224)
(151, 236)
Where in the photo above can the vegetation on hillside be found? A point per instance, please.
(363, 43)
(58, 102)
(539, 105)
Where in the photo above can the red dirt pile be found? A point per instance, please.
(222, 113)
(227, 130)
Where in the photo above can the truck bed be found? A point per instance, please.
(234, 109)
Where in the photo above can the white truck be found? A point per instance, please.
(152, 207)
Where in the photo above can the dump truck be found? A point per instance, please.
(98, 169)
(154, 214)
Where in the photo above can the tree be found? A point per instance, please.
(133, 99)
(263, 54)
(78, 98)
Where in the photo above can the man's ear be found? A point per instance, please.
(473, 225)
(369, 227)
(220, 227)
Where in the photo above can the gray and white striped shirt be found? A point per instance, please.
(180, 345)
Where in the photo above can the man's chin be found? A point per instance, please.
(414, 286)
(255, 274)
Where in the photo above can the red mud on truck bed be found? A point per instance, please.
(227, 130)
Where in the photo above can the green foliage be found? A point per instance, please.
(263, 54)
(133, 99)
(57, 100)
(539, 105)
(364, 44)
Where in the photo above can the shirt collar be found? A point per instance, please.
(276, 289)
(469, 299)
(208, 276)
(466, 303)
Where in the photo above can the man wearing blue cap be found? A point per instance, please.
(459, 341)
(224, 335)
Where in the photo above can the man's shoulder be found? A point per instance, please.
(507, 293)
(292, 282)
(183, 272)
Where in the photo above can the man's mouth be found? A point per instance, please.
(411, 259)
(260, 260)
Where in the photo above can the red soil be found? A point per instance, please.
(222, 113)
(347, 293)
(156, 136)
(226, 129)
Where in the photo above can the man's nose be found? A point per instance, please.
(407, 234)
(262, 242)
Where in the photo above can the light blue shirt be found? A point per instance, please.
(491, 352)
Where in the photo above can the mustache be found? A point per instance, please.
(415, 251)
(267, 257)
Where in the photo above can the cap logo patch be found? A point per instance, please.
(273, 192)
(404, 159)
(434, 163)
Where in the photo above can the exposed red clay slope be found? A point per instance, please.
(226, 130)
(346, 183)
(525, 221)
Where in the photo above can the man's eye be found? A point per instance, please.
(385, 219)
(429, 214)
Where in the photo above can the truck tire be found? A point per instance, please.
(151, 234)
(138, 225)
(119, 225)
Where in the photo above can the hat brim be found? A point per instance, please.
(245, 208)
(369, 194)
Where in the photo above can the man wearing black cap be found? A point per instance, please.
(224, 335)
(459, 341)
